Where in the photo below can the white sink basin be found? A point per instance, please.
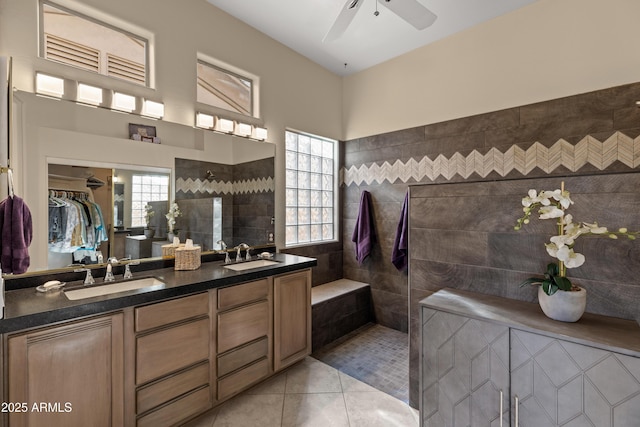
(129, 285)
(250, 264)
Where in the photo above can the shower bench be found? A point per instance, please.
(337, 308)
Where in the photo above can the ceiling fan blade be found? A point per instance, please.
(343, 20)
(411, 11)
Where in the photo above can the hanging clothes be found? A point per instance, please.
(16, 232)
(364, 234)
(75, 223)
(401, 243)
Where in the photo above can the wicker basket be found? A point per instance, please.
(170, 250)
(187, 259)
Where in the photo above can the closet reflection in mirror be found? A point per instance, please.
(96, 213)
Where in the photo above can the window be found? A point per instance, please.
(73, 39)
(145, 189)
(224, 89)
(310, 189)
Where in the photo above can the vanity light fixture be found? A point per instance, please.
(260, 133)
(123, 102)
(242, 129)
(152, 109)
(89, 94)
(204, 121)
(49, 85)
(224, 125)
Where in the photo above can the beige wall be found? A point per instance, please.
(295, 93)
(549, 49)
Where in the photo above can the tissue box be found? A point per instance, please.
(187, 259)
(170, 250)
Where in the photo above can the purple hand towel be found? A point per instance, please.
(16, 232)
(364, 235)
(401, 243)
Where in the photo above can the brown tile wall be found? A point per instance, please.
(599, 114)
(246, 217)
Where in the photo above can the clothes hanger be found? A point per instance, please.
(10, 181)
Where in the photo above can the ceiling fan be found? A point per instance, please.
(409, 10)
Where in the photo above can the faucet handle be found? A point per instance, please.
(248, 254)
(108, 277)
(88, 279)
(127, 272)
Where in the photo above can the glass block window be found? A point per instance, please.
(310, 189)
(144, 189)
(83, 42)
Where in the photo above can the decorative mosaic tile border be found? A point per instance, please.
(589, 150)
(194, 186)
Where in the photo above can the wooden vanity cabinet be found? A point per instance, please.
(172, 360)
(162, 363)
(292, 318)
(244, 336)
(68, 375)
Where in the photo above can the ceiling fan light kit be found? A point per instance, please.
(411, 11)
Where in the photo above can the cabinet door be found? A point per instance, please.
(70, 375)
(464, 371)
(559, 383)
(292, 318)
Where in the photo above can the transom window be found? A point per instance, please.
(145, 189)
(224, 89)
(76, 40)
(310, 189)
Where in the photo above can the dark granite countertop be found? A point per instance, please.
(27, 308)
(608, 333)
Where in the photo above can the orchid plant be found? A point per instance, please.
(174, 212)
(148, 214)
(553, 205)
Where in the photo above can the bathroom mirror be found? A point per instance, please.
(108, 205)
(238, 191)
(233, 203)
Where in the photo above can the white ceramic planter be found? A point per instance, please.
(564, 306)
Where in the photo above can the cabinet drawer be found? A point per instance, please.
(234, 296)
(179, 410)
(242, 356)
(239, 326)
(235, 382)
(169, 350)
(171, 387)
(164, 313)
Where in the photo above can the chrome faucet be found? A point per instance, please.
(239, 248)
(223, 245)
(127, 269)
(108, 276)
(88, 280)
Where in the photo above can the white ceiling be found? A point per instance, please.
(369, 40)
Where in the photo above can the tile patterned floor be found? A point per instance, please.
(375, 355)
(309, 394)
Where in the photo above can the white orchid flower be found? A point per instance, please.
(594, 228)
(570, 258)
(532, 195)
(552, 249)
(547, 212)
(563, 240)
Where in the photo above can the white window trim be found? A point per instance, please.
(99, 17)
(255, 90)
(336, 195)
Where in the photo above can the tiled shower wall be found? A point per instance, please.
(247, 194)
(592, 133)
